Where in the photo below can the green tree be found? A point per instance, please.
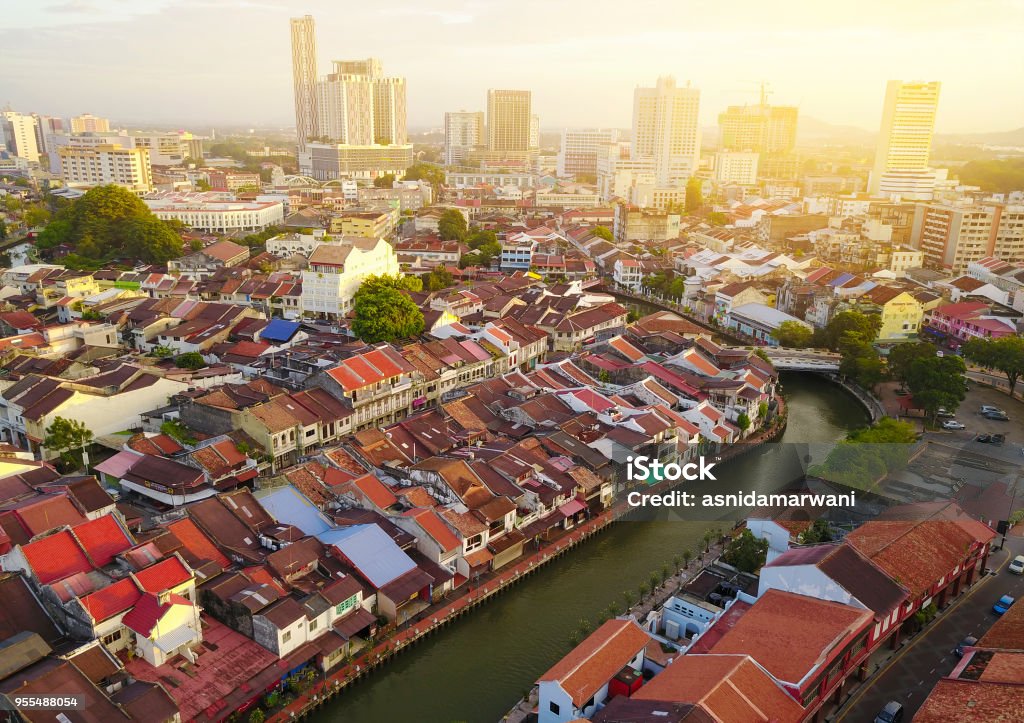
(743, 421)
(383, 312)
(69, 438)
(794, 335)
(902, 357)
(439, 278)
(150, 239)
(202, 184)
(937, 382)
(385, 181)
(603, 232)
(432, 174)
(3, 229)
(694, 194)
(717, 218)
(162, 352)
(1005, 354)
(819, 531)
(859, 360)
(190, 360)
(687, 556)
(866, 326)
(35, 216)
(452, 225)
(746, 552)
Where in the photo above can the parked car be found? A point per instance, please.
(1003, 604)
(998, 439)
(986, 408)
(983, 438)
(939, 353)
(1017, 565)
(943, 412)
(953, 424)
(967, 642)
(891, 713)
(996, 416)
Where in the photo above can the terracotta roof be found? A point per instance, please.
(972, 702)
(164, 575)
(111, 600)
(595, 661)
(197, 543)
(103, 538)
(775, 633)
(436, 528)
(55, 557)
(729, 687)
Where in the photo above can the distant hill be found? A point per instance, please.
(997, 138)
(812, 130)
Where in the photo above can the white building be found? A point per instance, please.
(628, 273)
(736, 167)
(905, 141)
(336, 270)
(18, 133)
(666, 130)
(104, 164)
(579, 148)
(205, 213)
(463, 133)
(89, 123)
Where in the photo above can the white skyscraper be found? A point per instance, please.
(905, 141)
(578, 150)
(304, 78)
(666, 131)
(19, 133)
(463, 133)
(359, 105)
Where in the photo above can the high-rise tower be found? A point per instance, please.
(304, 78)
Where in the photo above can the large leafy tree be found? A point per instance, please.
(937, 382)
(902, 357)
(111, 221)
(859, 360)
(866, 326)
(439, 278)
(452, 225)
(794, 335)
(69, 438)
(746, 552)
(384, 312)
(1005, 354)
(603, 232)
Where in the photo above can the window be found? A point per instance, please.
(312, 624)
(554, 707)
(286, 637)
(346, 605)
(112, 638)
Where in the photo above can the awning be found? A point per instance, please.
(354, 623)
(169, 642)
(479, 558)
(571, 507)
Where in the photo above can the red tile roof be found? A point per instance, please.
(197, 543)
(148, 611)
(435, 527)
(112, 599)
(972, 702)
(55, 557)
(48, 512)
(775, 632)
(103, 538)
(164, 575)
(596, 660)
(729, 687)
(375, 490)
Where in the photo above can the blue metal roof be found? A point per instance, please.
(371, 551)
(289, 506)
(279, 330)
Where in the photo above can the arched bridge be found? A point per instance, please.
(802, 360)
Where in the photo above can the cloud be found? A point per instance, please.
(77, 7)
(446, 17)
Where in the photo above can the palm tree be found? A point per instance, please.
(677, 561)
(627, 597)
(586, 627)
(687, 557)
(644, 589)
(655, 580)
(664, 573)
(574, 638)
(613, 609)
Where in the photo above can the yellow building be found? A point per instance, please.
(368, 224)
(105, 164)
(901, 313)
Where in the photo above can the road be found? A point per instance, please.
(910, 676)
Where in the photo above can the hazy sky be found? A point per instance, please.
(221, 61)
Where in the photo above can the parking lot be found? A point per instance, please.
(954, 464)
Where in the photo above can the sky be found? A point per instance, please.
(229, 61)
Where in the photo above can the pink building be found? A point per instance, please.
(968, 320)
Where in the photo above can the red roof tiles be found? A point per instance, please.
(55, 557)
(111, 600)
(164, 575)
(103, 538)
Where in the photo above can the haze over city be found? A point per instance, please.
(162, 61)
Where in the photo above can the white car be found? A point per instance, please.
(1017, 566)
(952, 424)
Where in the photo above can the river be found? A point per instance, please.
(475, 669)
